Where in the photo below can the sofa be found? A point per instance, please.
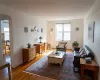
(62, 46)
(78, 54)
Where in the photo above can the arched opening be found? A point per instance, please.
(5, 38)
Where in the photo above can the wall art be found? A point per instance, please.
(41, 30)
(25, 29)
(77, 28)
(91, 28)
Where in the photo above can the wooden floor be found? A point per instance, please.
(19, 74)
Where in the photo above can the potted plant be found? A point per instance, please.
(28, 45)
(75, 44)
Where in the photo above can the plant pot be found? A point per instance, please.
(76, 48)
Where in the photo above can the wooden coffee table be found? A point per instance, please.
(56, 58)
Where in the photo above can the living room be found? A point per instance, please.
(29, 22)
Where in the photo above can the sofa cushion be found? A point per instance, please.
(63, 42)
(80, 50)
(82, 53)
(87, 52)
(61, 45)
(85, 48)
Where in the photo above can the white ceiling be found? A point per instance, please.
(52, 9)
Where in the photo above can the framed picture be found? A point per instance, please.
(91, 28)
(25, 29)
(41, 30)
(32, 30)
(77, 28)
(35, 28)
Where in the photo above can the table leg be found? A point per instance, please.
(82, 72)
(9, 74)
(95, 75)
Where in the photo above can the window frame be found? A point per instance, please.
(63, 31)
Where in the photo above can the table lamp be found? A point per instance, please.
(40, 39)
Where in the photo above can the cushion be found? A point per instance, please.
(62, 42)
(85, 48)
(87, 52)
(61, 45)
(82, 53)
(80, 50)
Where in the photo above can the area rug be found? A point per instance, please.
(64, 72)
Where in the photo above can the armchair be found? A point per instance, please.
(62, 46)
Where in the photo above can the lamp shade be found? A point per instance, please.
(40, 37)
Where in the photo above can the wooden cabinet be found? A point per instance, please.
(93, 66)
(40, 47)
(37, 48)
(28, 54)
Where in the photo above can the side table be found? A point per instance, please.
(93, 66)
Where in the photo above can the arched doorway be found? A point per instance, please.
(5, 38)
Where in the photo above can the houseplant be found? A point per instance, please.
(75, 44)
(28, 45)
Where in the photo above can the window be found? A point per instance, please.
(6, 29)
(6, 32)
(63, 32)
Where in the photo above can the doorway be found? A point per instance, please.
(5, 37)
(5, 40)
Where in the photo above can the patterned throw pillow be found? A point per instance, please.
(80, 50)
(82, 53)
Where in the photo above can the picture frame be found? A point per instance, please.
(41, 30)
(77, 28)
(32, 30)
(91, 29)
(25, 29)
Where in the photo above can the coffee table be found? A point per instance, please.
(56, 58)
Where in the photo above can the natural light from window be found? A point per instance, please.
(6, 32)
(63, 32)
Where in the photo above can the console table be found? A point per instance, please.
(40, 47)
(93, 66)
(4, 65)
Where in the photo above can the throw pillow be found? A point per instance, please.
(87, 52)
(80, 50)
(61, 45)
(82, 53)
(85, 48)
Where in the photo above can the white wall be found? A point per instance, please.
(75, 35)
(20, 38)
(93, 15)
